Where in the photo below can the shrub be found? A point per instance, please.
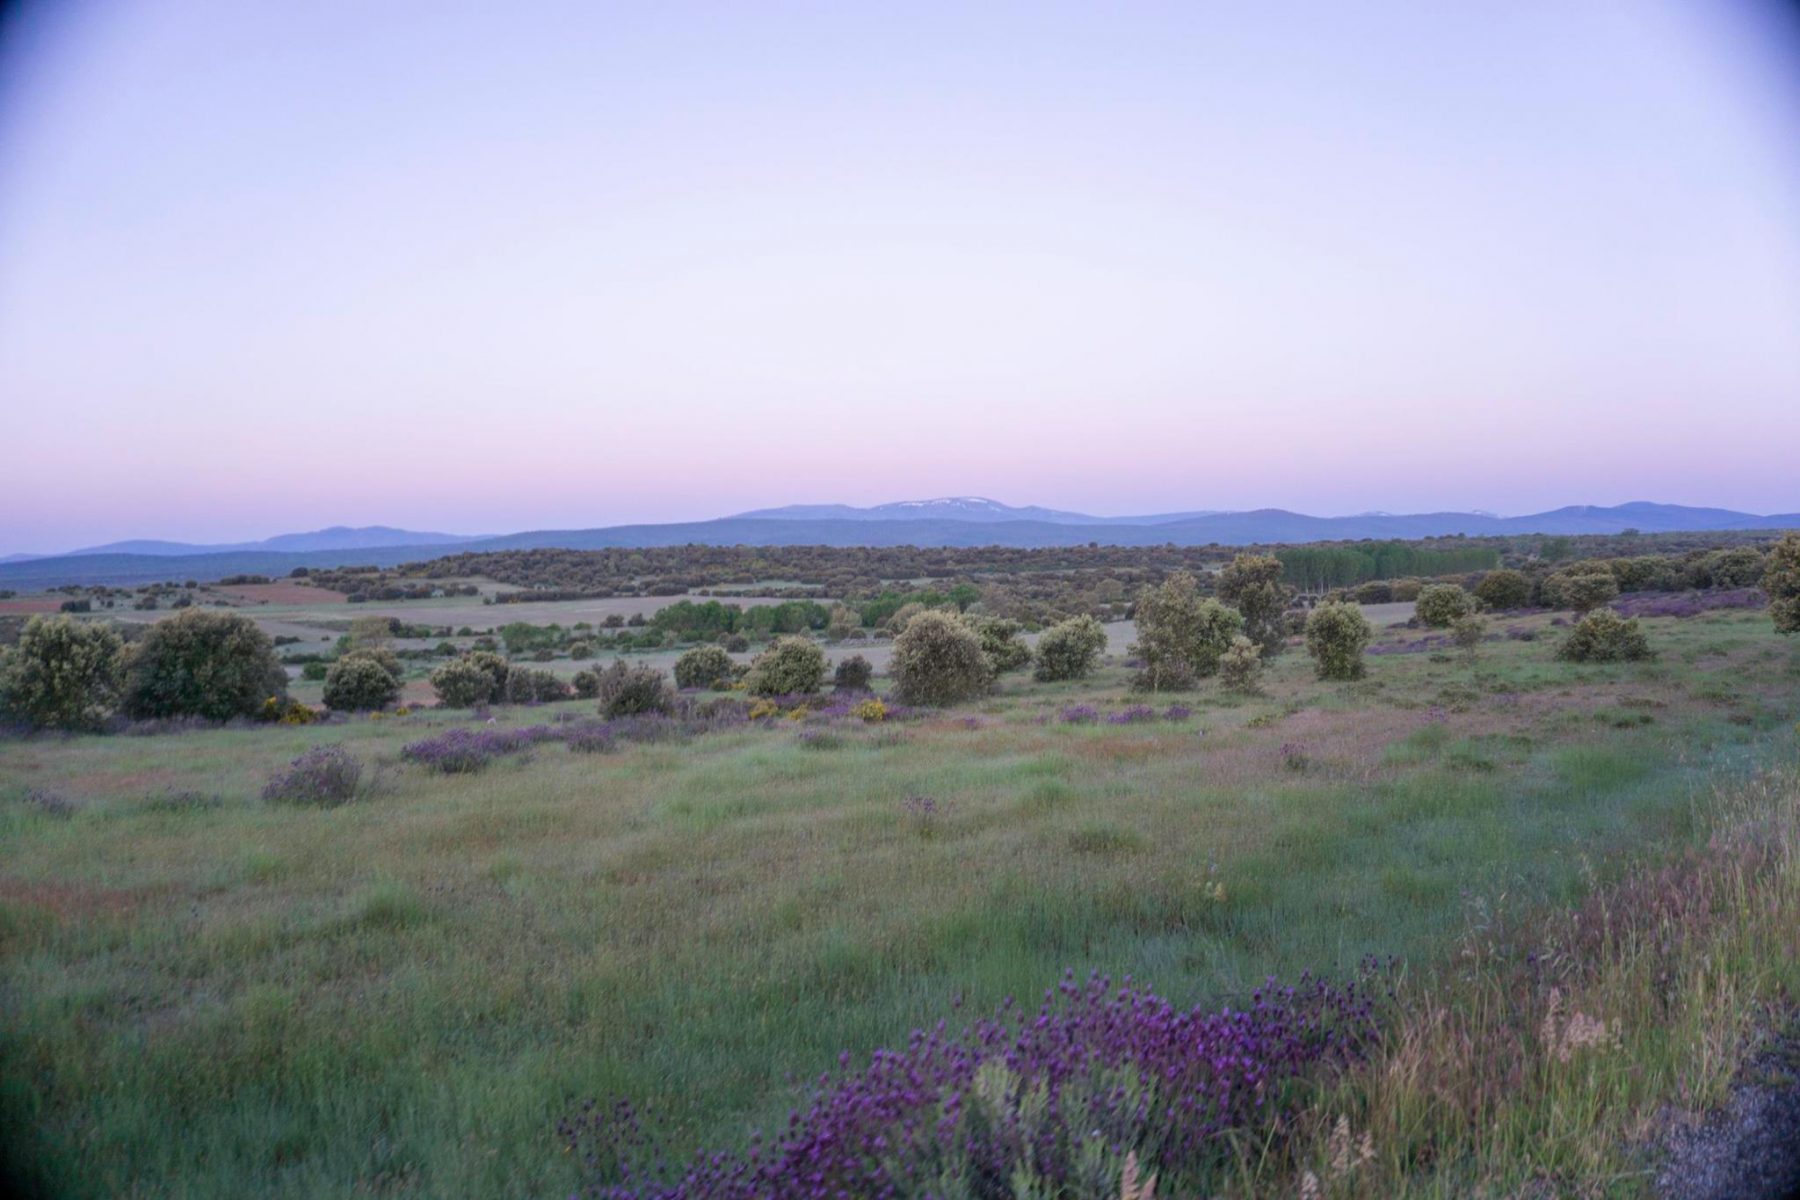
(1441, 605)
(381, 656)
(76, 606)
(626, 691)
(1069, 649)
(1504, 589)
(853, 674)
(1741, 566)
(462, 683)
(1180, 635)
(1000, 642)
(871, 711)
(1063, 1101)
(1467, 634)
(737, 643)
(1404, 591)
(527, 686)
(1376, 591)
(357, 682)
(1605, 636)
(1240, 667)
(1337, 633)
(792, 666)
(324, 775)
(1781, 580)
(938, 659)
(581, 651)
(1252, 584)
(63, 674)
(703, 667)
(1581, 589)
(202, 663)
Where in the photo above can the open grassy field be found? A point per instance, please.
(207, 996)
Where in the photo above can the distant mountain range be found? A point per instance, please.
(337, 537)
(956, 521)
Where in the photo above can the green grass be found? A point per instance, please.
(402, 995)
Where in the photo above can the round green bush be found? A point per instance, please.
(202, 663)
(1504, 589)
(1605, 636)
(525, 685)
(1781, 580)
(1069, 649)
(792, 666)
(358, 682)
(63, 674)
(627, 691)
(1240, 667)
(937, 660)
(853, 674)
(1582, 589)
(703, 667)
(462, 683)
(1000, 642)
(1337, 633)
(1441, 605)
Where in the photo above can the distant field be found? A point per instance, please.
(210, 996)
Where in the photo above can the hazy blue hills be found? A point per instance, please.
(964, 521)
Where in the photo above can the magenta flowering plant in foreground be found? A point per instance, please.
(1051, 1101)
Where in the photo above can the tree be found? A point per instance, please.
(357, 682)
(1337, 633)
(703, 667)
(63, 674)
(791, 666)
(1781, 580)
(205, 664)
(1252, 584)
(1605, 636)
(1180, 635)
(1504, 589)
(938, 659)
(1441, 605)
(1069, 649)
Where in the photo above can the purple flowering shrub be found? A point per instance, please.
(324, 775)
(1131, 715)
(1687, 604)
(462, 750)
(1177, 712)
(1079, 714)
(1044, 1104)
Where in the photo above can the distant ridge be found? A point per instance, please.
(337, 537)
(961, 521)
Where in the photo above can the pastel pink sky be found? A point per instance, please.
(480, 268)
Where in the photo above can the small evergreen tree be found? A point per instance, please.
(1253, 585)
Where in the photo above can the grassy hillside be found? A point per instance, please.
(207, 995)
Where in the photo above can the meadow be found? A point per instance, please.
(209, 995)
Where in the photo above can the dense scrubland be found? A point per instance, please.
(1515, 845)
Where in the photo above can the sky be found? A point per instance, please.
(481, 267)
